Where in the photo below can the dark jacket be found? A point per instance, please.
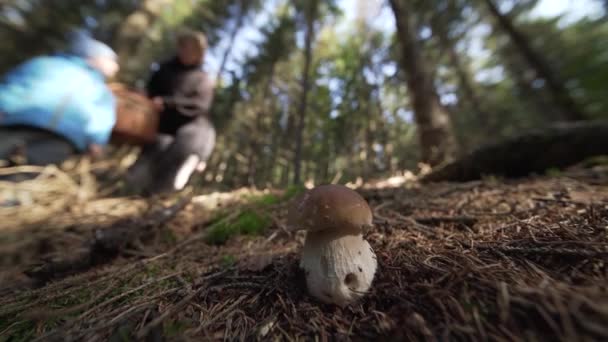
(187, 92)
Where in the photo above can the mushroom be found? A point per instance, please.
(339, 264)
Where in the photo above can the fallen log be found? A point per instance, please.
(557, 146)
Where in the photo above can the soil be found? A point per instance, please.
(485, 260)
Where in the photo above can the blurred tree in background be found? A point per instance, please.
(309, 92)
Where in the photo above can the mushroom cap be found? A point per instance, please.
(330, 207)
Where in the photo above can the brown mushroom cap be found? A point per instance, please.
(329, 207)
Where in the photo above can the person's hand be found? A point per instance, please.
(96, 151)
(158, 103)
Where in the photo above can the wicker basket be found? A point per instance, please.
(136, 119)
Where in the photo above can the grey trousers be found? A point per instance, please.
(39, 147)
(159, 163)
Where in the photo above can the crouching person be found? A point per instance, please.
(53, 107)
(182, 93)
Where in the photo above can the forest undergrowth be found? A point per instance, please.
(485, 260)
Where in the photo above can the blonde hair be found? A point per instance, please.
(197, 37)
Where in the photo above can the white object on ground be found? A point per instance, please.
(185, 171)
(201, 166)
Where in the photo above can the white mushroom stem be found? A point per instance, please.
(339, 268)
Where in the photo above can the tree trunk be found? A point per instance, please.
(274, 147)
(310, 20)
(243, 8)
(462, 73)
(285, 175)
(230, 172)
(255, 149)
(213, 168)
(370, 153)
(561, 96)
(251, 166)
(434, 124)
(323, 166)
(133, 30)
(267, 108)
(535, 98)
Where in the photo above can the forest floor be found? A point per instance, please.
(493, 260)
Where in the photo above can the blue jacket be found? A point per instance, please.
(62, 94)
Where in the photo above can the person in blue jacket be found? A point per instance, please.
(52, 107)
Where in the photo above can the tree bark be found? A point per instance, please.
(437, 140)
(251, 166)
(266, 165)
(243, 9)
(557, 146)
(370, 153)
(560, 94)
(131, 33)
(462, 73)
(284, 182)
(275, 143)
(324, 164)
(535, 98)
(310, 20)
